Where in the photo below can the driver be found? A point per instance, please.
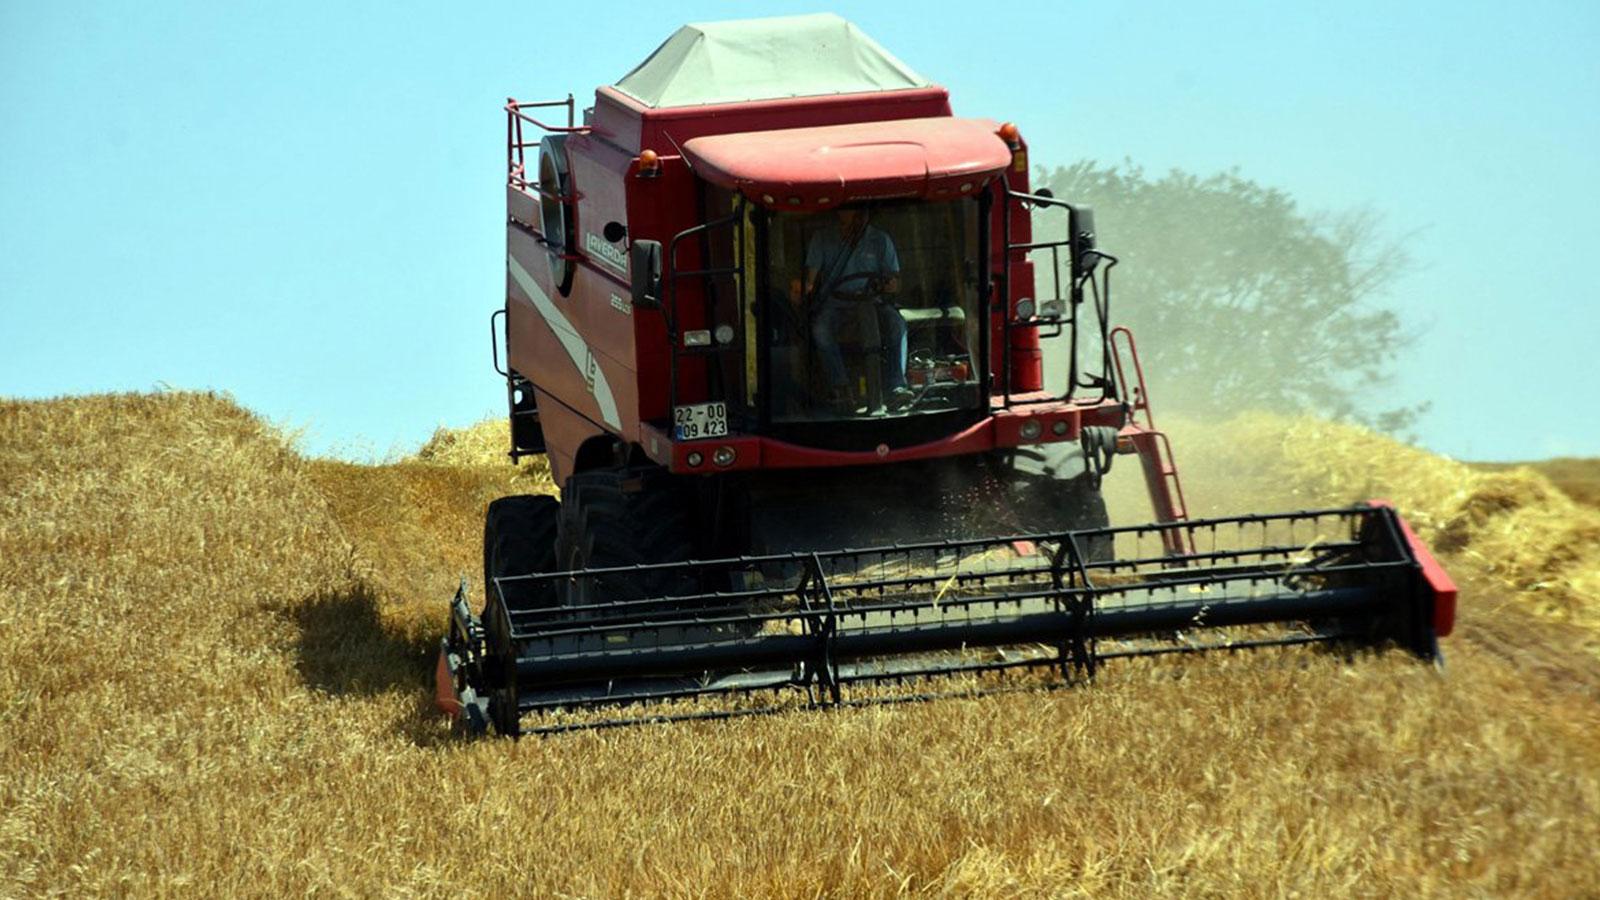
(847, 264)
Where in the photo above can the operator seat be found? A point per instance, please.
(861, 343)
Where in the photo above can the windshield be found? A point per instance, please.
(875, 310)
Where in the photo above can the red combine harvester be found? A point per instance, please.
(777, 319)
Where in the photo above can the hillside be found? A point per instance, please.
(1577, 478)
(215, 657)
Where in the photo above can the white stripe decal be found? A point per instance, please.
(582, 356)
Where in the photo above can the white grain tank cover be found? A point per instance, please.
(766, 59)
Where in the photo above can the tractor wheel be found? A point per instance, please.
(519, 538)
(1087, 509)
(608, 519)
(1052, 492)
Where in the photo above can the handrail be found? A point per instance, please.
(1139, 396)
(516, 159)
(671, 275)
(515, 107)
(1067, 323)
(1162, 480)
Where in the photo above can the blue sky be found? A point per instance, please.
(302, 203)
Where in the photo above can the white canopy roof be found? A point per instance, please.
(765, 59)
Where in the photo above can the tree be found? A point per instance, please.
(1240, 300)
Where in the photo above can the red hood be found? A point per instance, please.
(806, 169)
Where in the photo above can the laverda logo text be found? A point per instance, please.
(605, 251)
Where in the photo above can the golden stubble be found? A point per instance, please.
(215, 658)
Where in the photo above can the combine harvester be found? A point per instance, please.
(771, 301)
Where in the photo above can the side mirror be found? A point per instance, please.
(1042, 193)
(1080, 224)
(644, 258)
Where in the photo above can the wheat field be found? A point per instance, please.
(216, 654)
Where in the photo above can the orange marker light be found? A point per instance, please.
(1010, 134)
(649, 163)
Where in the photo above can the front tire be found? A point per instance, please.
(614, 518)
(519, 538)
(1053, 491)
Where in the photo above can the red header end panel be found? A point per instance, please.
(1436, 582)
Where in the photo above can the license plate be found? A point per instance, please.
(699, 420)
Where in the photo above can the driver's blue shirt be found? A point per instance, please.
(874, 254)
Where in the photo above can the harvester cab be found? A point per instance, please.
(778, 321)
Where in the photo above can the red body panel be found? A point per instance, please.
(575, 349)
(1000, 430)
(807, 169)
(601, 367)
(565, 430)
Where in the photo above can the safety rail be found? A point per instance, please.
(516, 146)
(521, 407)
(517, 174)
(1066, 321)
(671, 277)
(1135, 394)
(818, 622)
(1155, 449)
